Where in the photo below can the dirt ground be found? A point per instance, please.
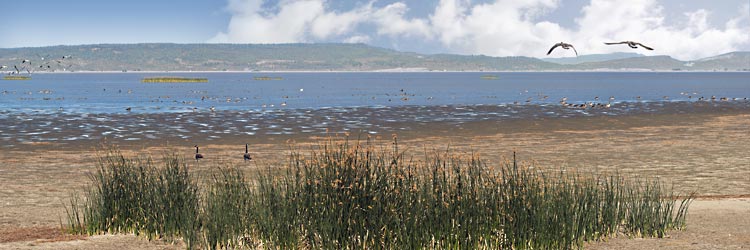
(705, 153)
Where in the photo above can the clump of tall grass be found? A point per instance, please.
(362, 195)
(226, 209)
(132, 195)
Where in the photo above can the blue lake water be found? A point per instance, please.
(114, 92)
(79, 108)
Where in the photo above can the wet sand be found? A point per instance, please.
(705, 149)
(80, 130)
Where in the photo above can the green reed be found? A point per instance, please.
(354, 196)
(362, 195)
(134, 196)
(226, 209)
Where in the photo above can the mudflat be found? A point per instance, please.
(706, 152)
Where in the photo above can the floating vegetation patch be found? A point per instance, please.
(16, 78)
(267, 78)
(173, 79)
(489, 77)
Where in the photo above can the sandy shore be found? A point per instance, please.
(705, 152)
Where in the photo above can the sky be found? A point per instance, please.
(683, 29)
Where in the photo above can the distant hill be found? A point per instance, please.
(591, 58)
(644, 62)
(329, 57)
(728, 61)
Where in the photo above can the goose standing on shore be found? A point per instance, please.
(564, 46)
(631, 44)
(247, 156)
(198, 156)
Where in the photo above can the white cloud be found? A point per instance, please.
(333, 24)
(390, 21)
(295, 21)
(498, 28)
(643, 21)
(358, 39)
(448, 18)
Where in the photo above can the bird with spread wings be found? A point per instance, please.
(631, 44)
(564, 46)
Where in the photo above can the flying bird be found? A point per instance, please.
(631, 44)
(564, 46)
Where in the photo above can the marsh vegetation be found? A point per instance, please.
(267, 78)
(16, 78)
(172, 79)
(364, 195)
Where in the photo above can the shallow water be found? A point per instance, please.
(67, 128)
(114, 92)
(90, 107)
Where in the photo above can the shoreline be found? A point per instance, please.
(699, 152)
(704, 152)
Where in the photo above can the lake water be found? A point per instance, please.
(71, 108)
(114, 92)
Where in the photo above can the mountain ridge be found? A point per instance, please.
(592, 58)
(336, 57)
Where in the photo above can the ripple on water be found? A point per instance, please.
(307, 121)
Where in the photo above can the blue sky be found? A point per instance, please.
(684, 29)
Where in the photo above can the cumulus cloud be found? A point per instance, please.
(497, 28)
(294, 21)
(643, 20)
(503, 27)
(390, 21)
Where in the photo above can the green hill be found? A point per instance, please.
(591, 58)
(634, 63)
(322, 57)
(729, 61)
